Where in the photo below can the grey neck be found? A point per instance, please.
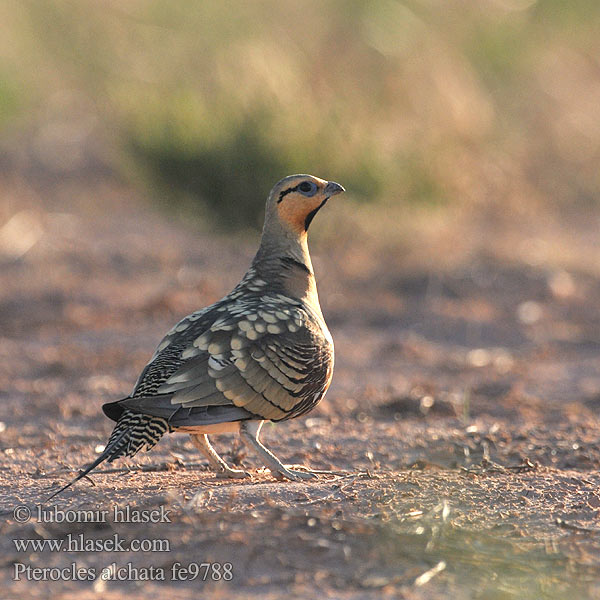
(283, 260)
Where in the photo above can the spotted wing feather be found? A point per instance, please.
(268, 360)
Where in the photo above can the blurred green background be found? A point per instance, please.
(204, 105)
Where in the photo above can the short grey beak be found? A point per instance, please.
(332, 188)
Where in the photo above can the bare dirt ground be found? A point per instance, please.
(462, 422)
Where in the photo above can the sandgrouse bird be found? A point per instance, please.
(263, 352)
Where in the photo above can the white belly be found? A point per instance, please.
(211, 429)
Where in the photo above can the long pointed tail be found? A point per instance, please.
(133, 432)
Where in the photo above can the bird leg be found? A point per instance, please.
(249, 431)
(223, 469)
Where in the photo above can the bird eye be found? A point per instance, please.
(308, 188)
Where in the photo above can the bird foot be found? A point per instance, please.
(232, 473)
(292, 473)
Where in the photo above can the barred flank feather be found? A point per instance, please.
(133, 432)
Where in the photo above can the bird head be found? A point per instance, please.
(295, 200)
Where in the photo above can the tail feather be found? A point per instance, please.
(143, 433)
(133, 432)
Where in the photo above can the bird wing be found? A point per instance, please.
(269, 360)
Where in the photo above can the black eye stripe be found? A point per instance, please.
(306, 188)
(284, 193)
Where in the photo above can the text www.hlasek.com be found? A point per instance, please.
(79, 543)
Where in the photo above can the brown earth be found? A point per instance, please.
(462, 424)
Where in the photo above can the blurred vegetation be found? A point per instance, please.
(207, 104)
